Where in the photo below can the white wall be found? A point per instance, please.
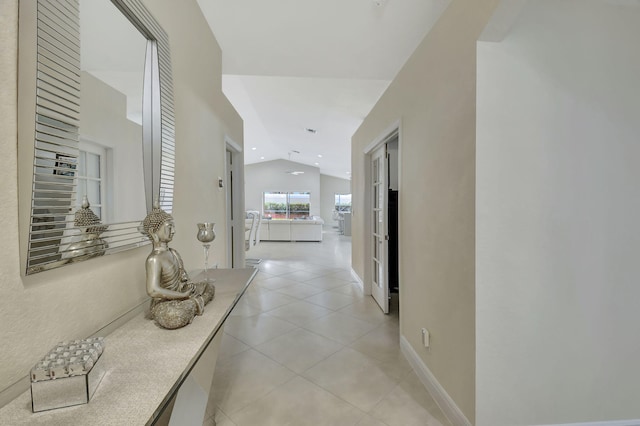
(103, 119)
(74, 301)
(329, 187)
(558, 202)
(271, 176)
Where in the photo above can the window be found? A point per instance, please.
(299, 203)
(343, 202)
(91, 177)
(286, 205)
(275, 205)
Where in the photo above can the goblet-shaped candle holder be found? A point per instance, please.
(206, 235)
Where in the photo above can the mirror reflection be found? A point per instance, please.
(90, 197)
(109, 171)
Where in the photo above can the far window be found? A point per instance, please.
(286, 205)
(343, 202)
(90, 177)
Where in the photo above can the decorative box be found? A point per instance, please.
(68, 375)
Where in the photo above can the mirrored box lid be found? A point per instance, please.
(68, 375)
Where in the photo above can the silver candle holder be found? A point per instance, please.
(206, 234)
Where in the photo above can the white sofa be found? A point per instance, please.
(291, 229)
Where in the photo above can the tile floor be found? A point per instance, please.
(305, 347)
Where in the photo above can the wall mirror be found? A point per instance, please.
(101, 147)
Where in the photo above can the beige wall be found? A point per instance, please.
(203, 117)
(434, 97)
(75, 301)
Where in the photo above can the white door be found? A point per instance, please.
(379, 178)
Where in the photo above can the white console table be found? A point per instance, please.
(154, 376)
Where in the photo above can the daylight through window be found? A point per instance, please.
(286, 205)
(343, 202)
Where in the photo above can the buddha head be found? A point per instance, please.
(87, 220)
(158, 225)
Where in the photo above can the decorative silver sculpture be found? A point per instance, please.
(85, 246)
(206, 235)
(176, 299)
(68, 375)
(89, 244)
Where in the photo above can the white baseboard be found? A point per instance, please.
(358, 280)
(439, 395)
(635, 422)
(448, 405)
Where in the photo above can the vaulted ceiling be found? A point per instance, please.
(293, 66)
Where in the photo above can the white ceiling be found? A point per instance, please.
(289, 65)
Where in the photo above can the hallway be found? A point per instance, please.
(305, 347)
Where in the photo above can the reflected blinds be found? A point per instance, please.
(56, 128)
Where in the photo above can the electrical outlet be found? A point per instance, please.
(425, 337)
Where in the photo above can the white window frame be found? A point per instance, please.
(102, 152)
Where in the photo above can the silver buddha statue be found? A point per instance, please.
(88, 244)
(176, 300)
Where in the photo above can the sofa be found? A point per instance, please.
(291, 229)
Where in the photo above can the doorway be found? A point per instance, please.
(234, 194)
(393, 218)
(383, 192)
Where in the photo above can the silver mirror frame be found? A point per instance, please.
(49, 89)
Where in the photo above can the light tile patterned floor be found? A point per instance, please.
(304, 346)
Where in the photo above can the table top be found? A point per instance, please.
(145, 365)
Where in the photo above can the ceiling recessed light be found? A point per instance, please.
(319, 155)
(262, 158)
(310, 130)
(317, 164)
(254, 148)
(294, 172)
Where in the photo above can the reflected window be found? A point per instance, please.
(91, 177)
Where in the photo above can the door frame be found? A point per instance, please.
(386, 135)
(235, 226)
